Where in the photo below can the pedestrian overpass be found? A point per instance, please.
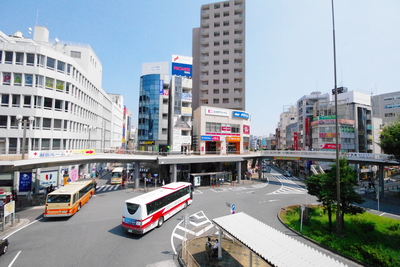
(53, 159)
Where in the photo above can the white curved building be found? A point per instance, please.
(54, 91)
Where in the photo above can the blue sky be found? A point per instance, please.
(288, 44)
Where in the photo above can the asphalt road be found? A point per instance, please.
(94, 237)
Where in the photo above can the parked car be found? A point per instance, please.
(288, 174)
(3, 246)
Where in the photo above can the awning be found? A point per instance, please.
(271, 245)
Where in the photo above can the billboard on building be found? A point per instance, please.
(182, 66)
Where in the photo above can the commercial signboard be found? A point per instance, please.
(232, 139)
(295, 141)
(182, 66)
(328, 146)
(240, 114)
(210, 138)
(179, 69)
(217, 112)
(25, 181)
(246, 129)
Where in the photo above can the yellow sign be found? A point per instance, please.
(287, 158)
(233, 138)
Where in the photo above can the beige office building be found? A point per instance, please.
(219, 56)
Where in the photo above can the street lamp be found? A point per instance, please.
(338, 215)
(21, 120)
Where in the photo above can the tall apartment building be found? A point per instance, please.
(386, 106)
(218, 52)
(54, 91)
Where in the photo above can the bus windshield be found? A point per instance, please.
(132, 208)
(58, 198)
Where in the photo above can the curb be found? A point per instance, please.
(315, 242)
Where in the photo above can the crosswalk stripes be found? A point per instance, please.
(288, 186)
(107, 187)
(197, 225)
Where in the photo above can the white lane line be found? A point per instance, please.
(22, 228)
(16, 256)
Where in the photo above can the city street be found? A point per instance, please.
(94, 237)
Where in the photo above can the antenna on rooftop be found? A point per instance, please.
(30, 30)
(56, 39)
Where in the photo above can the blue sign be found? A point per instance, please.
(25, 182)
(233, 208)
(180, 69)
(206, 138)
(240, 114)
(161, 87)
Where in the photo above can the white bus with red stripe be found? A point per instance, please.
(150, 210)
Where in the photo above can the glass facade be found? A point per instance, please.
(151, 87)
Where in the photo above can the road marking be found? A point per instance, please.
(16, 256)
(23, 227)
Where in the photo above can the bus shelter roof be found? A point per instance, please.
(272, 246)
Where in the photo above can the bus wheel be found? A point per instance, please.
(185, 206)
(79, 206)
(160, 222)
(90, 195)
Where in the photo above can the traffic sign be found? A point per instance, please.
(233, 208)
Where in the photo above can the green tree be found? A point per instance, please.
(323, 186)
(320, 185)
(390, 139)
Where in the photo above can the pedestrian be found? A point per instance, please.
(209, 248)
(215, 247)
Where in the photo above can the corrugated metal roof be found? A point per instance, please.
(271, 245)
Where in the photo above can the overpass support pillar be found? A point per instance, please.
(37, 181)
(239, 172)
(381, 186)
(173, 174)
(137, 173)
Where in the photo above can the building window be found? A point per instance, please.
(5, 99)
(50, 63)
(226, 61)
(215, 101)
(16, 101)
(28, 79)
(225, 100)
(217, 15)
(6, 78)
(3, 122)
(40, 60)
(19, 58)
(17, 79)
(48, 103)
(225, 91)
(226, 14)
(216, 43)
(216, 6)
(30, 59)
(60, 66)
(59, 85)
(39, 81)
(27, 101)
(216, 53)
(216, 24)
(58, 105)
(216, 34)
(216, 91)
(216, 72)
(49, 83)
(225, 33)
(225, 81)
(216, 81)
(216, 62)
(226, 71)
(9, 57)
(75, 54)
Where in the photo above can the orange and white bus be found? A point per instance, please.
(67, 200)
(145, 212)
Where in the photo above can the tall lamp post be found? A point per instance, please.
(21, 120)
(338, 215)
